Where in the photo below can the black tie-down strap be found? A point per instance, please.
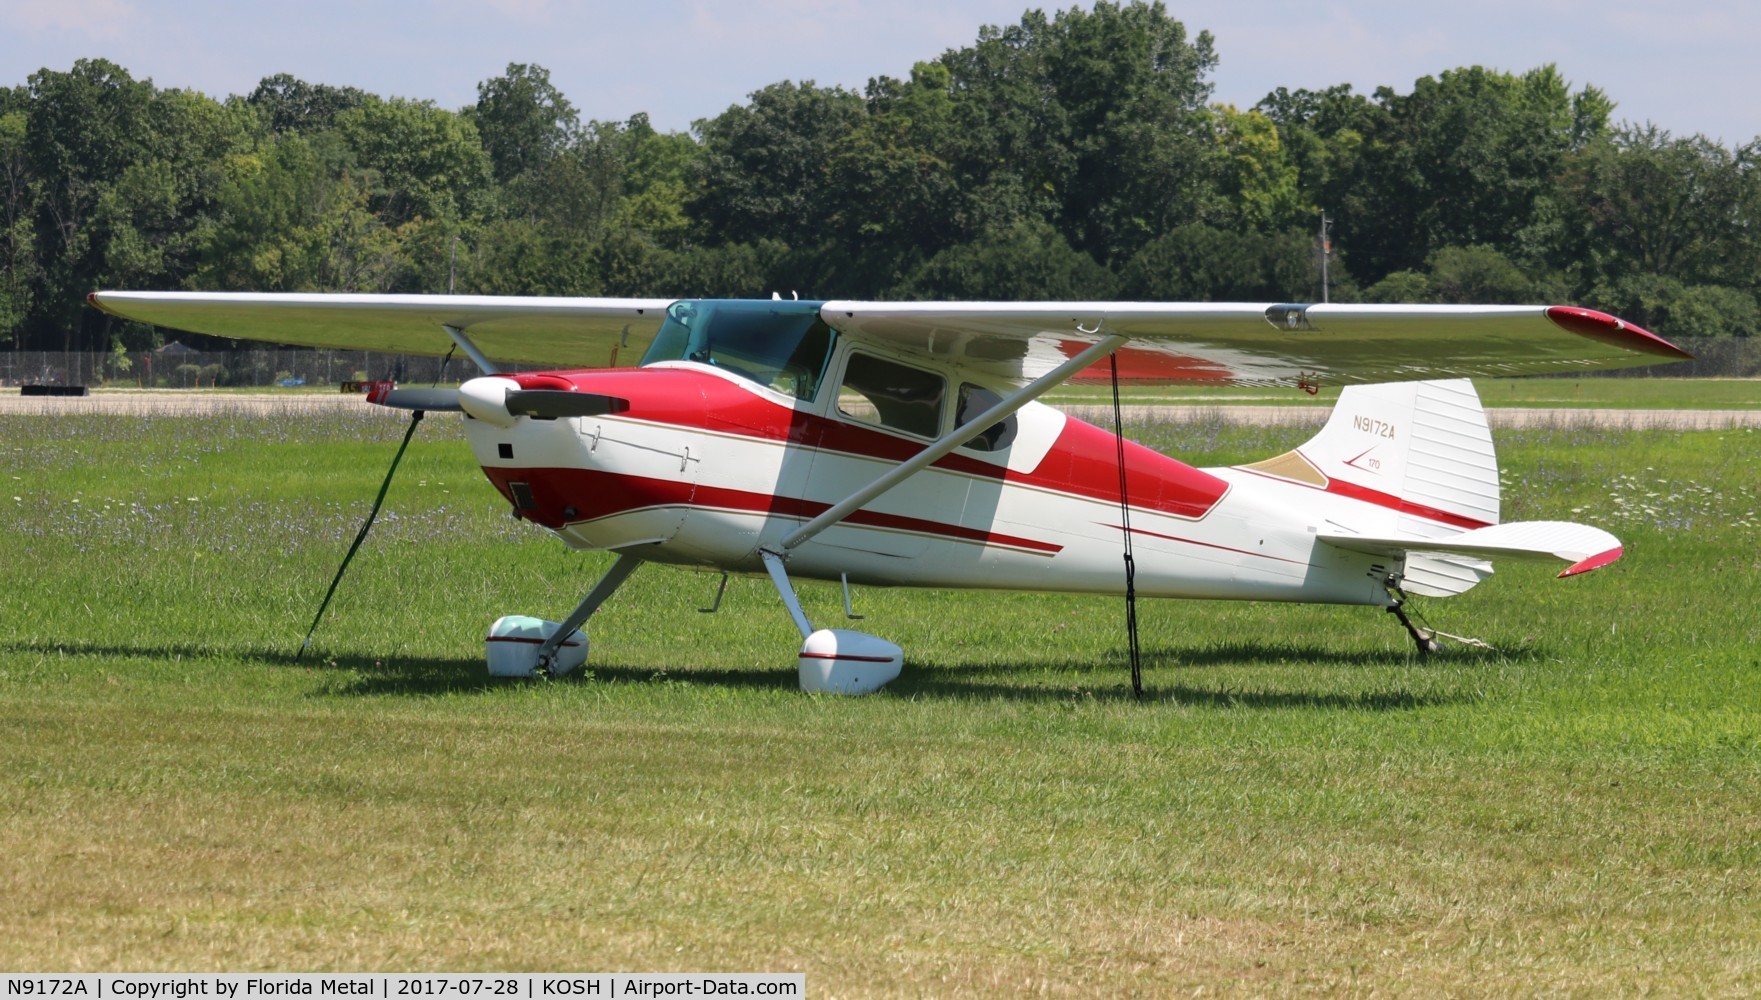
(1125, 529)
(415, 419)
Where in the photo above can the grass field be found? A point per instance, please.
(1302, 805)
(1643, 393)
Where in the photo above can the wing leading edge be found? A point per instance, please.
(1260, 343)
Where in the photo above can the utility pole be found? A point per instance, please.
(452, 265)
(1326, 251)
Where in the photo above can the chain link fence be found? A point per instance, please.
(1714, 357)
(223, 369)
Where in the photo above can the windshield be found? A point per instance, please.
(783, 345)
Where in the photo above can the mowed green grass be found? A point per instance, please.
(1302, 803)
(1589, 393)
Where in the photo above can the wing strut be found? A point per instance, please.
(947, 443)
(470, 349)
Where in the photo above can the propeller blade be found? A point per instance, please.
(549, 404)
(435, 399)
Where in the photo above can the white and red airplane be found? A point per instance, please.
(901, 444)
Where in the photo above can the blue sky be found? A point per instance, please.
(1688, 66)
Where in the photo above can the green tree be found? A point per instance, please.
(523, 257)
(124, 176)
(523, 120)
(658, 167)
(268, 231)
(1134, 91)
(614, 173)
(895, 197)
(19, 272)
(765, 165)
(1095, 121)
(1258, 181)
(1202, 263)
(1030, 261)
(83, 129)
(287, 104)
(1471, 156)
(426, 162)
(1462, 276)
(1645, 202)
(1322, 132)
(1465, 275)
(1673, 309)
(154, 213)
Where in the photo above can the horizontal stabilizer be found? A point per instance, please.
(1584, 547)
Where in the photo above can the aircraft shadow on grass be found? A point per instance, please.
(367, 674)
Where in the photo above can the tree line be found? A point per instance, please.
(1076, 155)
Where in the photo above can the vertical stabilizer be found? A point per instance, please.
(1404, 460)
(1419, 451)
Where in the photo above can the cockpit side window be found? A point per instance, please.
(783, 345)
(889, 394)
(974, 400)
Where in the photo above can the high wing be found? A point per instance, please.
(559, 332)
(1225, 343)
(1259, 343)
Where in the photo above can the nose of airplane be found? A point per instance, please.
(486, 399)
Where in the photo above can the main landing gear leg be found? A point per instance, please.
(834, 660)
(601, 592)
(773, 564)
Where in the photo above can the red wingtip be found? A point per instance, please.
(99, 304)
(1597, 561)
(1613, 331)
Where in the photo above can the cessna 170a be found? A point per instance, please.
(902, 444)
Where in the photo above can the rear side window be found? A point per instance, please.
(974, 400)
(889, 394)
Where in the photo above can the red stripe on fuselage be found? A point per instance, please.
(595, 494)
(1082, 462)
(1363, 494)
(1209, 545)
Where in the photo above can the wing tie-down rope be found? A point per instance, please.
(415, 419)
(1125, 529)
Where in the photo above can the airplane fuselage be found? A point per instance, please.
(705, 467)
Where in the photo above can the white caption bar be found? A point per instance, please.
(441, 986)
